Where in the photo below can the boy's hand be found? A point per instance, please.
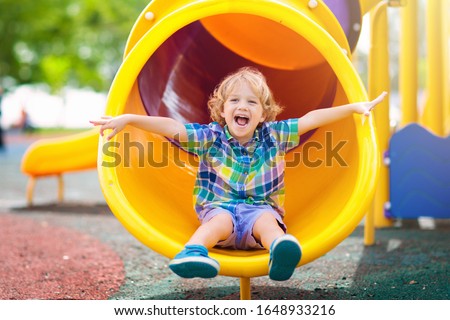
(115, 124)
(365, 107)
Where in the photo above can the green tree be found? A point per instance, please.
(64, 42)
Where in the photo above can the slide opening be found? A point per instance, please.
(179, 77)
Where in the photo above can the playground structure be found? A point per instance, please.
(412, 184)
(175, 55)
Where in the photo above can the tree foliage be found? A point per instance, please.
(64, 42)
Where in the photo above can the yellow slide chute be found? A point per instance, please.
(176, 53)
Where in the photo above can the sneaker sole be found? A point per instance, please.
(285, 257)
(195, 267)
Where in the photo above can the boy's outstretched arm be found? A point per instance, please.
(164, 126)
(320, 117)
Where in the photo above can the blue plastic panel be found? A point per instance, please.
(419, 174)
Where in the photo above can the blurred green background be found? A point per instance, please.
(64, 42)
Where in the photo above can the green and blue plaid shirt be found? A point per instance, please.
(230, 174)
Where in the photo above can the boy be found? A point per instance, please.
(239, 190)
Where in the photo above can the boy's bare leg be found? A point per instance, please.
(285, 251)
(267, 229)
(193, 261)
(210, 233)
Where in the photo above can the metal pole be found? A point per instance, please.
(446, 73)
(433, 112)
(379, 81)
(245, 289)
(408, 63)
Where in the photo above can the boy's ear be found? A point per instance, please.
(263, 118)
(222, 110)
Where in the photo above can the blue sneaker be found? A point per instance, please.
(285, 254)
(193, 262)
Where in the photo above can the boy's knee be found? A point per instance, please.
(223, 218)
(266, 221)
(267, 218)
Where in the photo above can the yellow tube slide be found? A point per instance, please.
(176, 53)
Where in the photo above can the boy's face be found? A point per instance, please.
(242, 112)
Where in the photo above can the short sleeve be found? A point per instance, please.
(286, 133)
(199, 138)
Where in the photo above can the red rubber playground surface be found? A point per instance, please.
(67, 264)
(78, 250)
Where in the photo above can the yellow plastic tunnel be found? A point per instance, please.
(177, 52)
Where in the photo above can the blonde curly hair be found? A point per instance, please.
(257, 82)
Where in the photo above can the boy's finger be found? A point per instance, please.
(105, 126)
(112, 134)
(363, 120)
(382, 95)
(97, 122)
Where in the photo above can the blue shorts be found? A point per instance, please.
(244, 218)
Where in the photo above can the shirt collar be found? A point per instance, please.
(255, 138)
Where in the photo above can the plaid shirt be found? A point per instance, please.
(230, 174)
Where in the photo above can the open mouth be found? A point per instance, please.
(241, 121)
